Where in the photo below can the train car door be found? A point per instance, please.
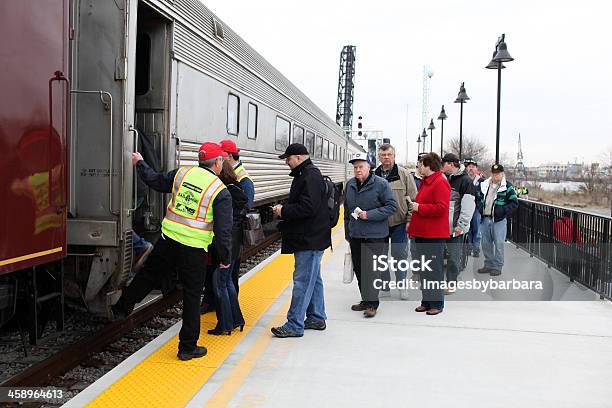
(33, 132)
(151, 109)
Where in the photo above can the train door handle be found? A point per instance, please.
(135, 180)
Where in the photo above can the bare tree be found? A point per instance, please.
(472, 148)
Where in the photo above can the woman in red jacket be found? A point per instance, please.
(430, 228)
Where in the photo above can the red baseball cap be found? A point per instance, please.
(210, 150)
(229, 146)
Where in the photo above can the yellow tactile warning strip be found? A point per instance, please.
(161, 380)
(230, 386)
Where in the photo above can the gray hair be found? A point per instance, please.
(386, 146)
(208, 163)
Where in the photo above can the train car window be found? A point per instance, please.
(309, 142)
(283, 128)
(233, 109)
(143, 64)
(252, 121)
(298, 134)
(326, 149)
(332, 151)
(319, 147)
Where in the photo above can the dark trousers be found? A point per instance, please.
(209, 293)
(432, 248)
(168, 255)
(362, 251)
(454, 246)
(229, 315)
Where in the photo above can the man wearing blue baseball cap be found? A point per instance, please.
(368, 203)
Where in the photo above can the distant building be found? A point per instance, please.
(574, 170)
(556, 170)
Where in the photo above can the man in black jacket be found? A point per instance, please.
(462, 205)
(305, 226)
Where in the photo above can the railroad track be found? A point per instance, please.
(43, 372)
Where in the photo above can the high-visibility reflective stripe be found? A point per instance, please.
(178, 179)
(241, 172)
(197, 224)
(200, 220)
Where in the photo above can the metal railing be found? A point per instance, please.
(577, 243)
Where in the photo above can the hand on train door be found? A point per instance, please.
(136, 157)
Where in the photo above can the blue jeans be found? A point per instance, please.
(399, 244)
(307, 296)
(455, 247)
(432, 249)
(474, 233)
(139, 244)
(493, 238)
(229, 315)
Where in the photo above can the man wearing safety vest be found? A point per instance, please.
(200, 209)
(243, 177)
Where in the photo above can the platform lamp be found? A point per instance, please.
(442, 117)
(461, 98)
(500, 56)
(431, 129)
(424, 138)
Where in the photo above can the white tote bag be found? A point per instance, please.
(348, 268)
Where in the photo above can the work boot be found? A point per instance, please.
(283, 333)
(369, 312)
(313, 325)
(359, 307)
(197, 352)
(484, 269)
(495, 272)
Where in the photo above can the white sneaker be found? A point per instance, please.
(403, 294)
(382, 293)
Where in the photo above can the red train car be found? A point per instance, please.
(34, 106)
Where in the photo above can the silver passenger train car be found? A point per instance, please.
(167, 75)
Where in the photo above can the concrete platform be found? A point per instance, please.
(482, 351)
(475, 354)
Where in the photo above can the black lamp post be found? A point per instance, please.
(500, 56)
(461, 98)
(431, 129)
(442, 118)
(424, 138)
(419, 144)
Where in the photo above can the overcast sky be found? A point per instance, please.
(556, 93)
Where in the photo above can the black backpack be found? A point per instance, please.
(333, 193)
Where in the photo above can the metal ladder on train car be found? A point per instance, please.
(37, 322)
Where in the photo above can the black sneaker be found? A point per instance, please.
(484, 269)
(320, 325)
(476, 254)
(494, 272)
(195, 353)
(283, 333)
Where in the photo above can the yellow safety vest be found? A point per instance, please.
(241, 172)
(189, 216)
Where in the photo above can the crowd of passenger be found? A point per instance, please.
(433, 213)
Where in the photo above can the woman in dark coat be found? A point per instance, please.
(229, 315)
